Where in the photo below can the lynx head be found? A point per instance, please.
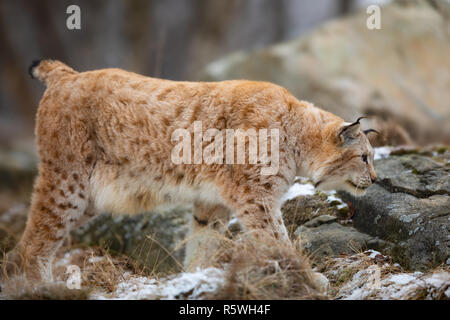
(347, 160)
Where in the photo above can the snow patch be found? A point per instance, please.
(402, 279)
(373, 277)
(372, 253)
(66, 260)
(381, 153)
(299, 189)
(398, 286)
(95, 259)
(332, 198)
(302, 187)
(188, 285)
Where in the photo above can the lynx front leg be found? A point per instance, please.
(207, 225)
(257, 206)
(263, 216)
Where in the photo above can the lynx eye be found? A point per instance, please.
(364, 158)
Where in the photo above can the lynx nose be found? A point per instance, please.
(373, 175)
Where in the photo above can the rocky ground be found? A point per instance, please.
(392, 243)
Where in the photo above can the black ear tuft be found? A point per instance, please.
(34, 64)
(349, 132)
(357, 120)
(366, 132)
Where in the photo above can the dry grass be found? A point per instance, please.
(260, 268)
(342, 269)
(255, 268)
(341, 273)
(19, 289)
(100, 271)
(263, 268)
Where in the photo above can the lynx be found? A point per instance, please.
(104, 143)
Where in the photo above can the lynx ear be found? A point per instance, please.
(349, 132)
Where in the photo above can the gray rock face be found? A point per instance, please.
(324, 237)
(310, 209)
(396, 73)
(415, 175)
(18, 169)
(321, 220)
(410, 207)
(150, 239)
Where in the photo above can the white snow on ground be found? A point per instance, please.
(188, 285)
(299, 189)
(96, 259)
(397, 286)
(332, 198)
(67, 258)
(372, 253)
(402, 278)
(381, 153)
(303, 187)
(380, 281)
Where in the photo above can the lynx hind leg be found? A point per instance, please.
(208, 224)
(59, 201)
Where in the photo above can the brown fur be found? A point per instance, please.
(104, 141)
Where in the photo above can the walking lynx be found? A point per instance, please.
(104, 141)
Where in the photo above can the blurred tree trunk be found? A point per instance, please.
(345, 6)
(48, 39)
(17, 84)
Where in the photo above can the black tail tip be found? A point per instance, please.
(34, 64)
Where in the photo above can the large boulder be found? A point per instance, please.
(320, 220)
(18, 169)
(323, 237)
(153, 240)
(398, 73)
(409, 206)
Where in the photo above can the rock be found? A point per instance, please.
(303, 209)
(18, 168)
(415, 175)
(314, 217)
(150, 239)
(398, 73)
(326, 238)
(325, 219)
(410, 207)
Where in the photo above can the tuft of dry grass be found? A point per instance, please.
(340, 270)
(18, 288)
(99, 271)
(351, 273)
(264, 268)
